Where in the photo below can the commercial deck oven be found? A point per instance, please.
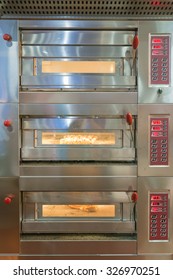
(86, 129)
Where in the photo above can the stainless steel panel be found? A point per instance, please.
(77, 24)
(144, 168)
(9, 142)
(96, 182)
(79, 153)
(79, 52)
(78, 81)
(9, 216)
(9, 62)
(75, 123)
(76, 37)
(61, 198)
(84, 169)
(146, 185)
(77, 109)
(82, 227)
(104, 97)
(86, 247)
(150, 94)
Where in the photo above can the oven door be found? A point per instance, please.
(78, 212)
(77, 138)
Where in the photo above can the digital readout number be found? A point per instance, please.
(132, 270)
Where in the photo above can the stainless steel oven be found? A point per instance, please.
(85, 141)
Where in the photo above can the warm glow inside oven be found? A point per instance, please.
(75, 138)
(78, 210)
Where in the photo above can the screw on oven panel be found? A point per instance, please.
(159, 91)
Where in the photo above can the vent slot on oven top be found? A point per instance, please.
(104, 8)
(77, 59)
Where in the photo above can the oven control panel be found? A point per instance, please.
(159, 140)
(159, 60)
(158, 229)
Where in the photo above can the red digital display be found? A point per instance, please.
(156, 122)
(158, 52)
(155, 203)
(156, 197)
(156, 128)
(156, 134)
(156, 209)
(158, 47)
(157, 40)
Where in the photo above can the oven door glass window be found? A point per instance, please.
(77, 138)
(92, 67)
(79, 210)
